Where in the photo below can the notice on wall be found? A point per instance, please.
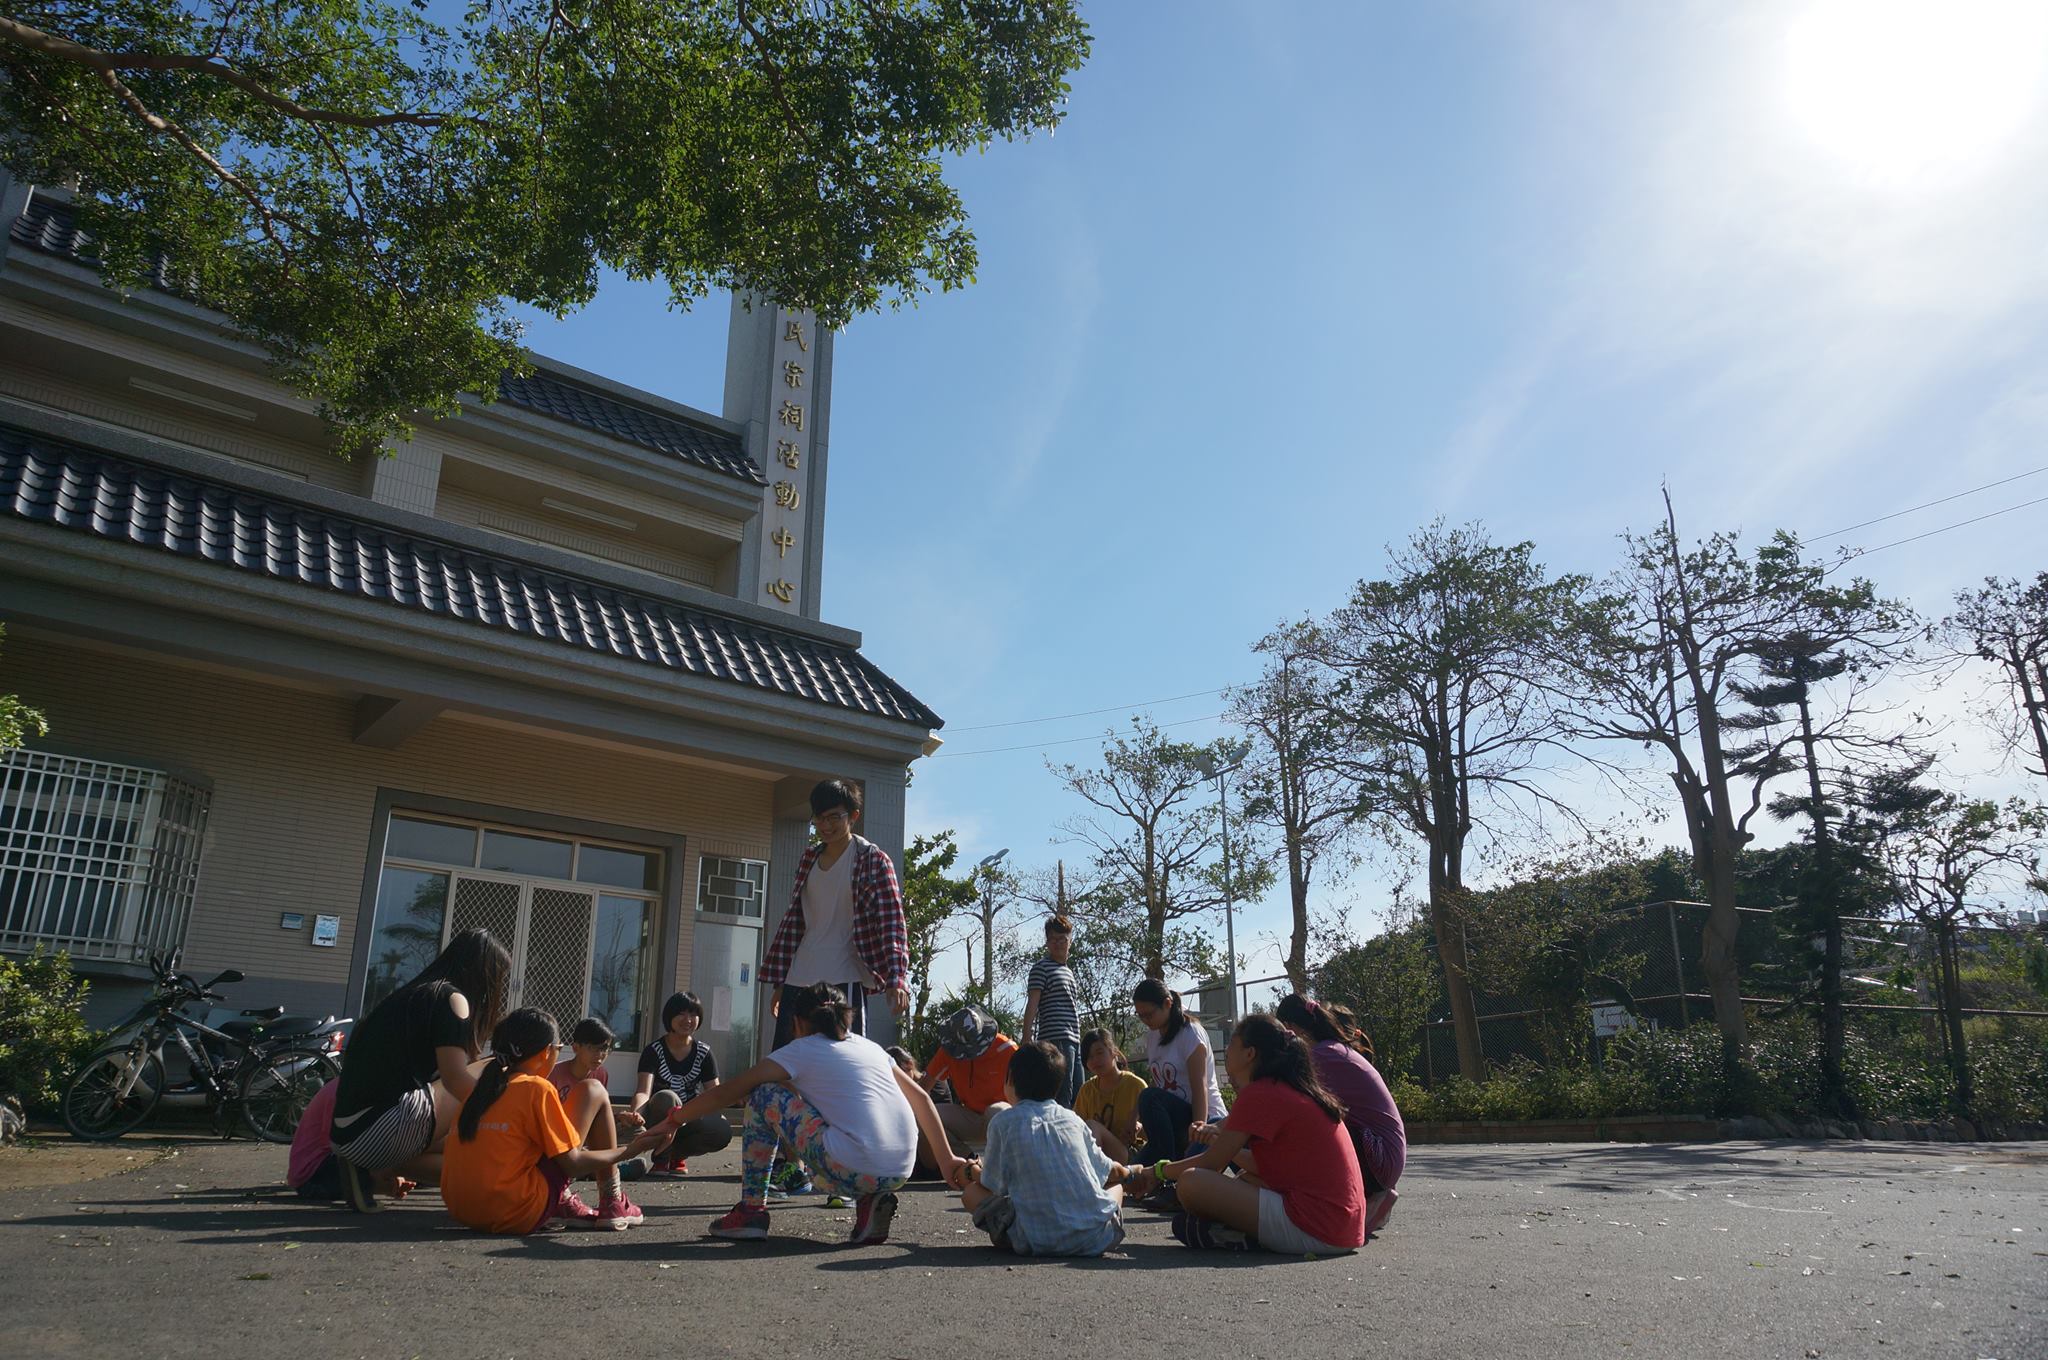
(721, 1008)
(1610, 1019)
(326, 931)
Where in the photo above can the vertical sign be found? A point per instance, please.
(793, 407)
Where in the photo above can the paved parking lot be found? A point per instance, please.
(1733, 1249)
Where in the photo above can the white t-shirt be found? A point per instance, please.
(851, 1082)
(1170, 1062)
(826, 951)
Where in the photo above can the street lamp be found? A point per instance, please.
(1214, 762)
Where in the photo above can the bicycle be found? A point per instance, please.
(242, 1067)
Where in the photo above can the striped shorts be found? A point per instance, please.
(387, 1141)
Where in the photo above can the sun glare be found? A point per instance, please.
(1911, 92)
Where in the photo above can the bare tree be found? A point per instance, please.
(1155, 839)
(2005, 623)
(1296, 784)
(1664, 653)
(1441, 700)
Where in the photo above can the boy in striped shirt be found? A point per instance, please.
(1050, 1011)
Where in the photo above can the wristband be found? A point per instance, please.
(1159, 1170)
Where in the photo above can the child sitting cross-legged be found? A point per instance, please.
(674, 1070)
(508, 1167)
(1043, 1186)
(1301, 1191)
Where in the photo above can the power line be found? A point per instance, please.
(1090, 713)
(1959, 524)
(1063, 741)
(1837, 533)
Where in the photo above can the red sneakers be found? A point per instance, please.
(570, 1208)
(617, 1213)
(742, 1224)
(871, 1217)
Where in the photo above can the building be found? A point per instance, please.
(554, 667)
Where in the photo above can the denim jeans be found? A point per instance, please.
(1070, 1049)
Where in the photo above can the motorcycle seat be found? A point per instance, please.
(264, 1012)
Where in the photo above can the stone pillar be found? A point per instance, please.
(882, 819)
(778, 386)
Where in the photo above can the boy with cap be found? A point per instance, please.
(974, 1060)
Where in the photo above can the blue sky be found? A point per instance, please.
(1292, 280)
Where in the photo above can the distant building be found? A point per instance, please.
(554, 667)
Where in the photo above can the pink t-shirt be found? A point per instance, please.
(564, 1081)
(315, 1136)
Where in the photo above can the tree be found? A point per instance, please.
(1295, 783)
(1156, 843)
(931, 898)
(18, 722)
(1942, 851)
(1391, 983)
(2006, 623)
(989, 910)
(1664, 651)
(367, 192)
(1443, 711)
(1846, 646)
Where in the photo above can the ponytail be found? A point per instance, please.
(1323, 1023)
(1354, 1033)
(1153, 992)
(823, 1009)
(1278, 1054)
(517, 1037)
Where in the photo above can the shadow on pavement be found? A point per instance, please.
(1618, 1168)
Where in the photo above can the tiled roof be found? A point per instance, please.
(51, 481)
(554, 396)
(51, 226)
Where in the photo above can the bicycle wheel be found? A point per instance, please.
(113, 1091)
(278, 1089)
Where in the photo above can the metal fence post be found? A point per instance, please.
(1678, 965)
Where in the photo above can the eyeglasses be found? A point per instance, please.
(835, 815)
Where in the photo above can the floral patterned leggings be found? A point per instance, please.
(779, 1116)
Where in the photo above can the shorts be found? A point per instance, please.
(995, 1216)
(391, 1139)
(1278, 1233)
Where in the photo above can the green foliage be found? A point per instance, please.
(931, 895)
(18, 722)
(43, 1033)
(1392, 983)
(367, 190)
(2009, 1070)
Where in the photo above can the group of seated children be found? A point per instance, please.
(1304, 1161)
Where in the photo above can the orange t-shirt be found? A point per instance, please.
(977, 1082)
(493, 1182)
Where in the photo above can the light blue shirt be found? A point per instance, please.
(1042, 1156)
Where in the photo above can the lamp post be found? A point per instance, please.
(987, 869)
(1214, 763)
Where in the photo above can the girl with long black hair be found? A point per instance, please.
(1300, 1191)
(412, 1061)
(1183, 1091)
(515, 1149)
(1340, 1052)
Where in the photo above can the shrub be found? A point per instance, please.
(1681, 1069)
(43, 1033)
(2009, 1072)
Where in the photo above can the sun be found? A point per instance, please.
(1914, 92)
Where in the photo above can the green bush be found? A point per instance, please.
(1681, 1070)
(43, 1032)
(2009, 1072)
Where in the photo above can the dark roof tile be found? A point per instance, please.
(52, 481)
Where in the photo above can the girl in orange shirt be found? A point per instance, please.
(509, 1166)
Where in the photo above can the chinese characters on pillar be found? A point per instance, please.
(792, 392)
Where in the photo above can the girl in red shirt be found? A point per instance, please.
(1301, 1191)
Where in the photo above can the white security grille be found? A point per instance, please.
(485, 903)
(558, 940)
(96, 859)
(732, 887)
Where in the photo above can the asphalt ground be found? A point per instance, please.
(1709, 1250)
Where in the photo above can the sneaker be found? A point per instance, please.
(836, 1202)
(355, 1187)
(570, 1208)
(1379, 1207)
(792, 1180)
(741, 1224)
(1164, 1200)
(1208, 1234)
(871, 1218)
(617, 1213)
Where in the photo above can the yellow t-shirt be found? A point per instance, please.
(1113, 1107)
(493, 1182)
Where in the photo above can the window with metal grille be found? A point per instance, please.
(96, 859)
(732, 887)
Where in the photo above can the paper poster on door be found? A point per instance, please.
(721, 1008)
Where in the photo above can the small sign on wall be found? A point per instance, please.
(292, 920)
(326, 931)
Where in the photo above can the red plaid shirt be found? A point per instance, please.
(879, 935)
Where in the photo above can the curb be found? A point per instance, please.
(1694, 1128)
